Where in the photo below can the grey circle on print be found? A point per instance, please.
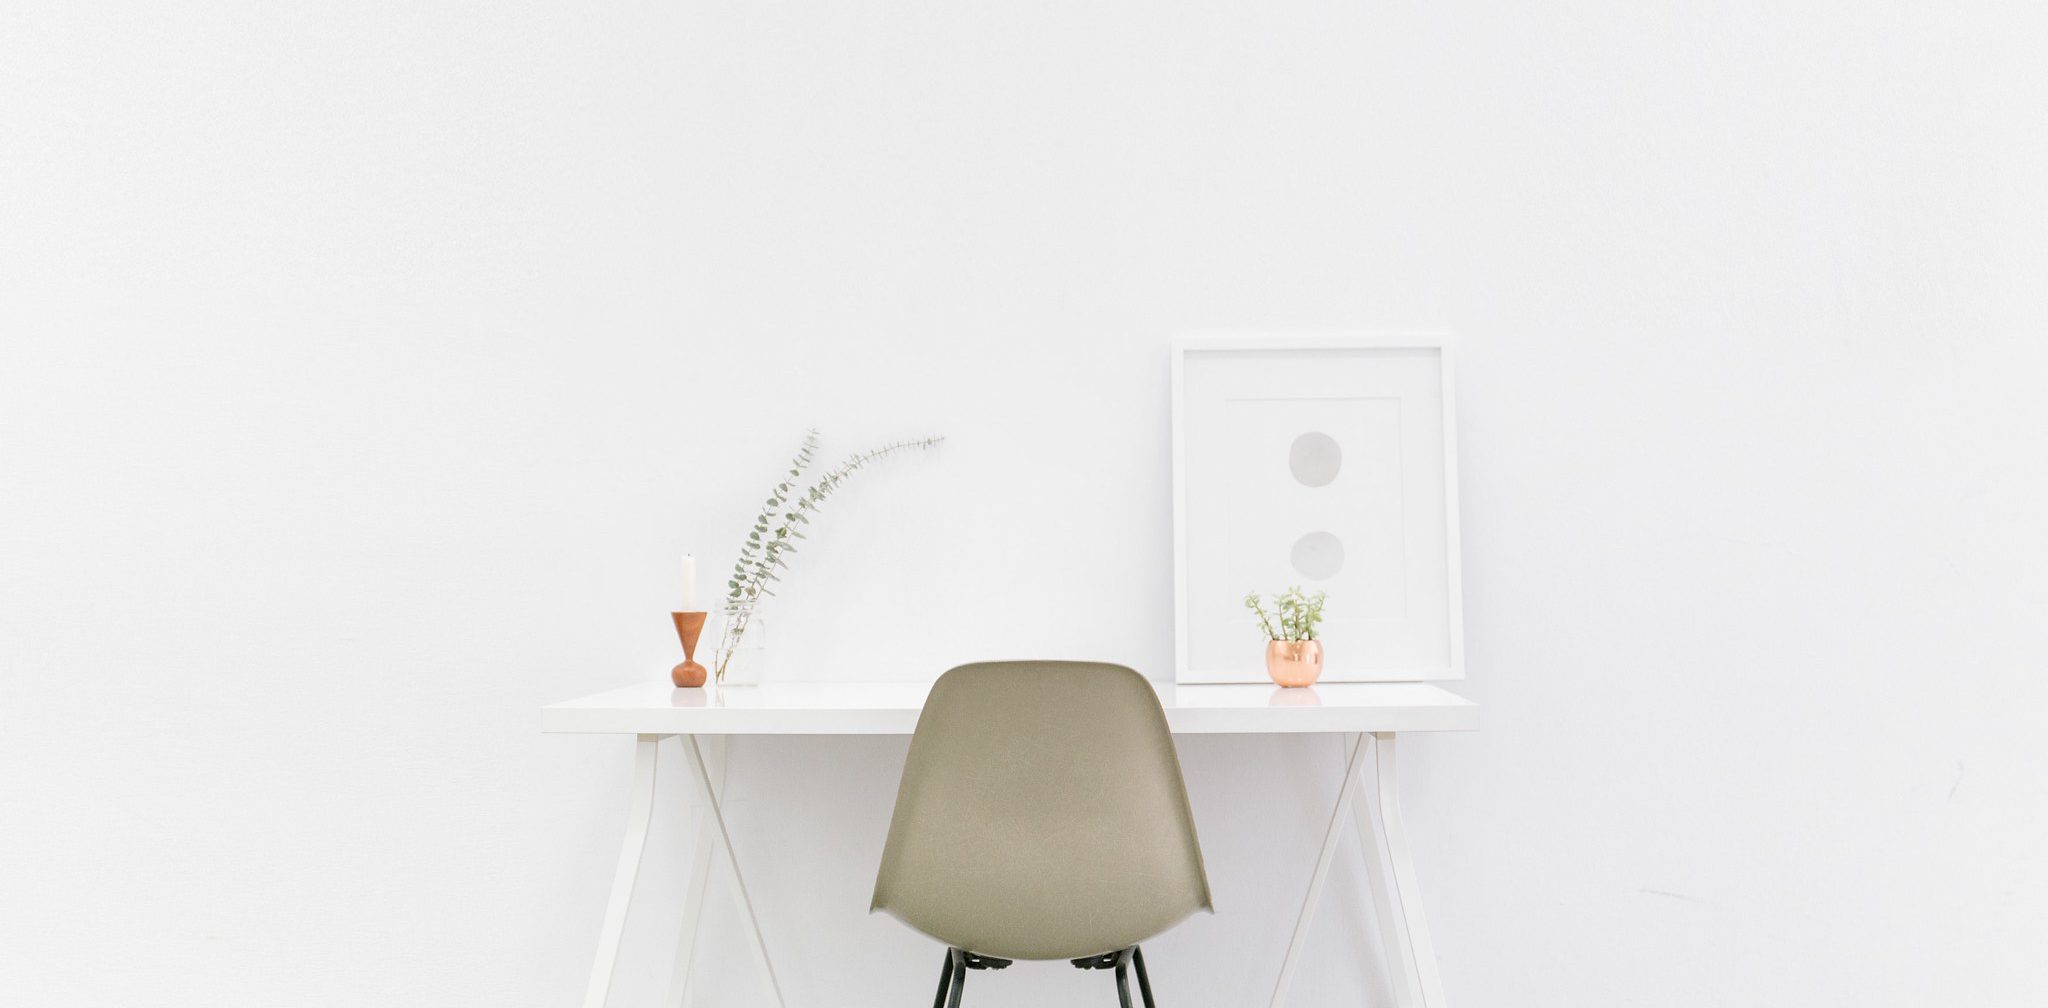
(1314, 459)
(1318, 556)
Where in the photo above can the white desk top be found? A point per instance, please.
(891, 708)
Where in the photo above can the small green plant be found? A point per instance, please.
(776, 530)
(1297, 614)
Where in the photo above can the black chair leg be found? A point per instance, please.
(958, 961)
(1144, 981)
(1123, 979)
(945, 981)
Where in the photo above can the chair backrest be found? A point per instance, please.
(1042, 814)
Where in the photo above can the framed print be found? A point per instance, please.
(1325, 462)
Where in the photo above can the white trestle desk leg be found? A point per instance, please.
(1399, 958)
(1407, 897)
(680, 989)
(710, 796)
(1316, 879)
(644, 751)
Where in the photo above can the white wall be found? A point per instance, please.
(366, 367)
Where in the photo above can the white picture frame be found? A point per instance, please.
(1242, 489)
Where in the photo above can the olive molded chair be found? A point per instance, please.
(1042, 816)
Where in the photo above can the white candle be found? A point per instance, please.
(689, 583)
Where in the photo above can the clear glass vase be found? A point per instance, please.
(742, 654)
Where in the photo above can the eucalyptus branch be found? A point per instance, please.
(756, 556)
(766, 546)
(778, 528)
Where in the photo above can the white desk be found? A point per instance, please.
(1371, 714)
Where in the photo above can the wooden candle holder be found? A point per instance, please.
(689, 626)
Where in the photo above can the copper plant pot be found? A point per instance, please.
(1294, 662)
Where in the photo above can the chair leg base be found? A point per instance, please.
(945, 981)
(1124, 962)
(953, 981)
(953, 975)
(1144, 979)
